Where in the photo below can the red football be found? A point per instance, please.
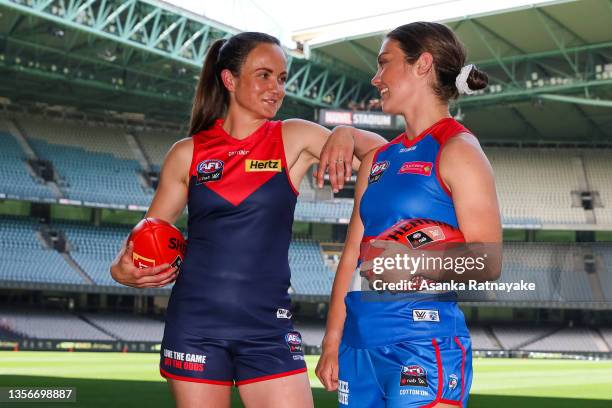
(157, 242)
(416, 233)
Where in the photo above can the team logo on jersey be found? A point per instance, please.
(142, 261)
(425, 236)
(377, 171)
(262, 165)
(209, 170)
(416, 167)
(423, 315)
(283, 314)
(294, 341)
(453, 380)
(413, 375)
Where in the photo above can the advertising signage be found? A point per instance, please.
(362, 119)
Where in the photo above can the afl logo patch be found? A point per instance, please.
(377, 171)
(413, 375)
(209, 170)
(294, 342)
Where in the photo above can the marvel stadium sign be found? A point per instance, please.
(364, 119)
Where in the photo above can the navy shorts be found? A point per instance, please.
(419, 373)
(188, 357)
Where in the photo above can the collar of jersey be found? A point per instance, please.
(217, 131)
(410, 142)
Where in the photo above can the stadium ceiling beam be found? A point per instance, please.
(577, 101)
(480, 30)
(594, 126)
(91, 83)
(527, 122)
(94, 62)
(550, 23)
(175, 35)
(524, 93)
(365, 55)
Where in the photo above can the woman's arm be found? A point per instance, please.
(307, 143)
(168, 204)
(468, 175)
(327, 368)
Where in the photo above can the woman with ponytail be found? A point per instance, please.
(228, 319)
(411, 349)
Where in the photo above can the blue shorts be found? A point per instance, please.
(188, 357)
(419, 373)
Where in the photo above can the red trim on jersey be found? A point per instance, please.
(463, 356)
(445, 131)
(440, 369)
(271, 376)
(284, 160)
(439, 399)
(166, 374)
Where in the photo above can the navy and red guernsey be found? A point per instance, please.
(234, 280)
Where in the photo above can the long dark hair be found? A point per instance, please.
(211, 98)
(448, 54)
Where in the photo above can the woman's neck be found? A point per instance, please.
(421, 116)
(240, 125)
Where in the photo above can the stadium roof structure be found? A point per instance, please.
(549, 65)
(134, 55)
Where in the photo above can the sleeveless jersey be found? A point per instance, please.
(235, 278)
(405, 183)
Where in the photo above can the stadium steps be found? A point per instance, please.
(139, 153)
(74, 265)
(492, 337)
(599, 339)
(97, 326)
(19, 134)
(536, 339)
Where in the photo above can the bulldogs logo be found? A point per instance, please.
(377, 171)
(452, 381)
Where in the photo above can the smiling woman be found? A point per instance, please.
(237, 173)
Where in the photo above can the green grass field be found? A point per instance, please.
(132, 380)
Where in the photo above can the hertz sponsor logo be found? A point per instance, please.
(263, 165)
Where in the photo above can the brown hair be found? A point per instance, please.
(448, 53)
(211, 98)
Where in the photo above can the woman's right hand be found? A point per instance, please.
(327, 367)
(125, 272)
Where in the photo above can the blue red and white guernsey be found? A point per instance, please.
(228, 318)
(414, 349)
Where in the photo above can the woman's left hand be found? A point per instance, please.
(337, 158)
(392, 262)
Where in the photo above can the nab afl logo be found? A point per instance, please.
(294, 342)
(209, 170)
(377, 171)
(413, 375)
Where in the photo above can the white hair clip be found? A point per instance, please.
(461, 80)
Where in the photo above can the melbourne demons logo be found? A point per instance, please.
(377, 171)
(209, 170)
